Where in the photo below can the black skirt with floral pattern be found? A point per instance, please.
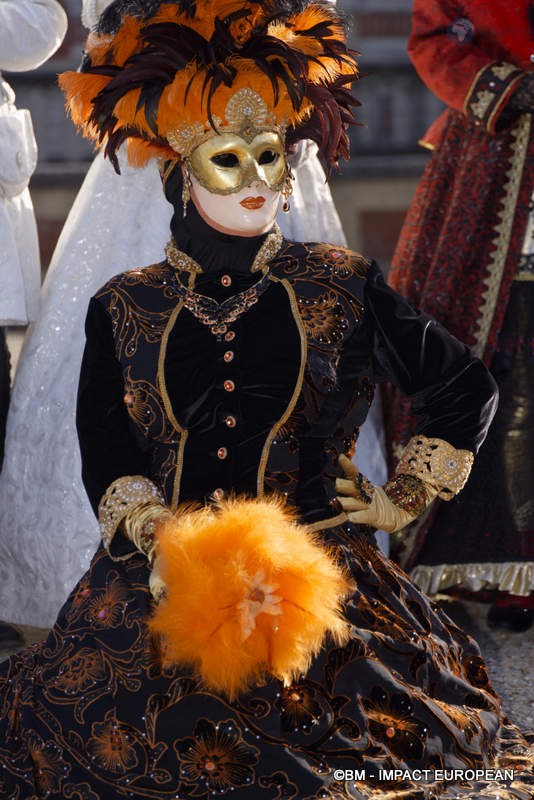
(90, 714)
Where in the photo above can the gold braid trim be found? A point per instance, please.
(520, 136)
(490, 92)
(260, 480)
(185, 263)
(122, 497)
(471, 91)
(437, 463)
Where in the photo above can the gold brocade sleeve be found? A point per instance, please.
(132, 503)
(437, 463)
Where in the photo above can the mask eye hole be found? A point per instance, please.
(227, 160)
(268, 157)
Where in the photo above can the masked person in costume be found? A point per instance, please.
(238, 629)
(41, 479)
(466, 256)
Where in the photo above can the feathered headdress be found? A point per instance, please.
(162, 76)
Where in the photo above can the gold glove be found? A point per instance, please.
(158, 588)
(140, 526)
(428, 468)
(367, 504)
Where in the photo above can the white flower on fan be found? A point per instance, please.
(258, 600)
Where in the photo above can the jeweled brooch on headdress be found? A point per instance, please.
(246, 114)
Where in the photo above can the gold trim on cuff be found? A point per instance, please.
(438, 463)
(426, 144)
(469, 95)
(490, 91)
(121, 497)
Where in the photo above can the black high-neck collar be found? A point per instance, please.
(212, 250)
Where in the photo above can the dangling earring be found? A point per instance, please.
(186, 193)
(287, 191)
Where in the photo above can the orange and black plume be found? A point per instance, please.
(151, 65)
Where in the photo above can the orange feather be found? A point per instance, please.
(140, 152)
(127, 40)
(100, 48)
(80, 90)
(127, 114)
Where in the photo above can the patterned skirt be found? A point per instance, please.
(405, 710)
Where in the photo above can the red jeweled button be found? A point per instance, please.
(229, 386)
(229, 356)
(229, 336)
(226, 280)
(230, 421)
(222, 452)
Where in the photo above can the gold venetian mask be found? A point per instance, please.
(226, 163)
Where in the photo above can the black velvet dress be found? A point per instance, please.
(91, 714)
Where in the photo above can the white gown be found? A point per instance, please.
(48, 531)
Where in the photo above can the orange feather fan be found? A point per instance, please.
(249, 592)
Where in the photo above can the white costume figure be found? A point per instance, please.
(30, 31)
(48, 532)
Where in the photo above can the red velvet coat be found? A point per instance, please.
(459, 248)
